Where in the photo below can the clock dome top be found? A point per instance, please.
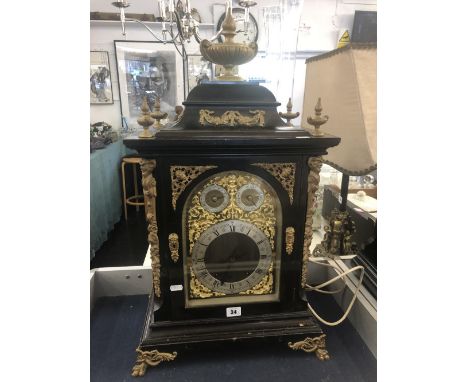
(217, 105)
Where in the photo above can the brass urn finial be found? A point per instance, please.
(157, 114)
(289, 114)
(228, 53)
(318, 120)
(145, 120)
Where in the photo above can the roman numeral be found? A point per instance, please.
(232, 228)
(260, 242)
(216, 232)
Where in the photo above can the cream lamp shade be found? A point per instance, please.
(345, 80)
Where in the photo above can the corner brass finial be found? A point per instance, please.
(145, 120)
(318, 120)
(289, 114)
(157, 115)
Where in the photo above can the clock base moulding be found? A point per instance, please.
(165, 340)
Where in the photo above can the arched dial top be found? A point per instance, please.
(250, 197)
(231, 257)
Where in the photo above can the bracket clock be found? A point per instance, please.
(229, 198)
(229, 193)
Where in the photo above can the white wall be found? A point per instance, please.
(321, 22)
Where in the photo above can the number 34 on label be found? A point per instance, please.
(233, 311)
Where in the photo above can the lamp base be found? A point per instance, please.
(338, 235)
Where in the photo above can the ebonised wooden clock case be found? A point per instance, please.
(230, 135)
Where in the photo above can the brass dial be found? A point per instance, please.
(214, 198)
(250, 197)
(231, 257)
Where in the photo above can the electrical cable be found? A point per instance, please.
(341, 275)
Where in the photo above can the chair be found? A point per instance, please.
(136, 199)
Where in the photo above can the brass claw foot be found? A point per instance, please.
(309, 345)
(149, 358)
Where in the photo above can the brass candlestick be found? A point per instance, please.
(157, 114)
(289, 114)
(318, 120)
(145, 120)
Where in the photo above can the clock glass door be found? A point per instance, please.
(232, 222)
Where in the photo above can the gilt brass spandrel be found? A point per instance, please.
(232, 118)
(265, 286)
(182, 176)
(198, 290)
(283, 172)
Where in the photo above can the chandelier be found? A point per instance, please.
(177, 23)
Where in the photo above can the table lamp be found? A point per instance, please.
(345, 81)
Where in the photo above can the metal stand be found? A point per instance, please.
(344, 192)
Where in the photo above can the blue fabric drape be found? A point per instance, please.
(106, 197)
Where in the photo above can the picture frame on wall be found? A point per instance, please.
(199, 70)
(100, 79)
(152, 69)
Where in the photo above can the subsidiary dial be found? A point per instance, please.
(214, 198)
(250, 197)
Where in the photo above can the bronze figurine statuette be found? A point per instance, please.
(338, 236)
(318, 120)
